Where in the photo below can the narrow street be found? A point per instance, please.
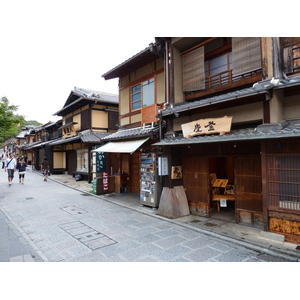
(61, 224)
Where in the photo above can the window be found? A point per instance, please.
(221, 63)
(218, 70)
(82, 160)
(142, 94)
(284, 181)
(291, 54)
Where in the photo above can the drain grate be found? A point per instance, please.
(73, 210)
(29, 198)
(88, 236)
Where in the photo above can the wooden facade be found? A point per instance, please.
(248, 79)
(141, 95)
(264, 173)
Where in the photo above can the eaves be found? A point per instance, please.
(186, 106)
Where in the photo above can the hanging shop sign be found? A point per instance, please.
(176, 172)
(207, 126)
(100, 161)
(105, 185)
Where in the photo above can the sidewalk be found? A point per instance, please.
(13, 247)
(250, 237)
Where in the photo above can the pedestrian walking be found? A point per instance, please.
(45, 168)
(21, 167)
(4, 157)
(10, 167)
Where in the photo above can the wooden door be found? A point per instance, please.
(196, 182)
(248, 183)
(71, 161)
(135, 173)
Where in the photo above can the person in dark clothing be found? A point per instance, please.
(21, 167)
(45, 168)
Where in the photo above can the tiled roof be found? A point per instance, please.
(93, 136)
(132, 133)
(87, 136)
(284, 129)
(212, 100)
(80, 97)
(21, 134)
(133, 63)
(95, 95)
(64, 140)
(260, 87)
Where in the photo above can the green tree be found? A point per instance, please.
(10, 122)
(33, 122)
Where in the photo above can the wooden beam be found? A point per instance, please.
(199, 45)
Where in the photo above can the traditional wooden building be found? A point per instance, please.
(250, 173)
(36, 146)
(141, 93)
(87, 117)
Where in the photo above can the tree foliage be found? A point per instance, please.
(10, 122)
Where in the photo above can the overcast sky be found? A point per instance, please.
(49, 47)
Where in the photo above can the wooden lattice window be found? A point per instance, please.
(283, 181)
(291, 54)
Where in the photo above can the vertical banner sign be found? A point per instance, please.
(105, 181)
(100, 161)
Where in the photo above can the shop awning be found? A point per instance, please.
(122, 147)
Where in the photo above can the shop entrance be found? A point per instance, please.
(222, 183)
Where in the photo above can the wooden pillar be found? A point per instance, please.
(264, 185)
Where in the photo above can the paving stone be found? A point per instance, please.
(16, 258)
(99, 243)
(198, 242)
(203, 254)
(171, 253)
(71, 225)
(119, 247)
(73, 210)
(125, 234)
(138, 253)
(170, 242)
(147, 238)
(221, 247)
(80, 230)
(77, 250)
(234, 256)
(166, 233)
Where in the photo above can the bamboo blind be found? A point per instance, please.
(246, 55)
(193, 70)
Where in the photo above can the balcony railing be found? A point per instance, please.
(224, 81)
(225, 78)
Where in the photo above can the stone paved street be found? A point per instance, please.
(61, 224)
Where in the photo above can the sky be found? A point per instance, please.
(49, 47)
